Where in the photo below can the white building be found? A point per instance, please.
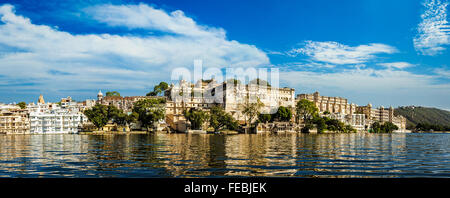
(55, 121)
(51, 118)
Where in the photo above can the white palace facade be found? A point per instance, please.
(46, 118)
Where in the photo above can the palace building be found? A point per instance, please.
(382, 115)
(359, 117)
(329, 104)
(205, 94)
(124, 103)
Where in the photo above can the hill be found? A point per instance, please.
(416, 115)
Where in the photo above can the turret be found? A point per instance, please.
(100, 95)
(41, 100)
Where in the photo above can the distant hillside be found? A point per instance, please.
(416, 115)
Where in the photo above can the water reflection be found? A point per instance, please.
(196, 155)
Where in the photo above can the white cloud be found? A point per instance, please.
(306, 65)
(359, 79)
(53, 60)
(147, 17)
(398, 65)
(433, 32)
(336, 53)
(442, 72)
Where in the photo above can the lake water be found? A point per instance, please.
(212, 155)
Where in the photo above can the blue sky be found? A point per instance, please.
(378, 51)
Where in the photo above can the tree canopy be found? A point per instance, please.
(387, 127)
(264, 117)
(219, 119)
(325, 123)
(112, 93)
(283, 114)
(119, 117)
(305, 110)
(22, 105)
(158, 89)
(149, 111)
(431, 127)
(251, 110)
(98, 115)
(196, 117)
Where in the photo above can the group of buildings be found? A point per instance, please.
(231, 94)
(42, 117)
(67, 117)
(359, 117)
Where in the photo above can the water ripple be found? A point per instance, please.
(200, 155)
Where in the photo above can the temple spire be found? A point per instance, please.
(41, 100)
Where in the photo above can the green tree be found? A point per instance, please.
(158, 89)
(320, 124)
(22, 105)
(283, 114)
(265, 117)
(149, 111)
(98, 115)
(387, 127)
(307, 127)
(376, 127)
(219, 119)
(306, 111)
(120, 119)
(431, 127)
(349, 129)
(251, 110)
(112, 93)
(132, 118)
(123, 119)
(113, 112)
(196, 117)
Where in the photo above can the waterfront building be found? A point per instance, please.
(382, 115)
(186, 96)
(68, 103)
(87, 104)
(378, 114)
(205, 94)
(337, 108)
(277, 127)
(13, 120)
(53, 118)
(359, 117)
(329, 104)
(357, 121)
(55, 121)
(234, 95)
(124, 103)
